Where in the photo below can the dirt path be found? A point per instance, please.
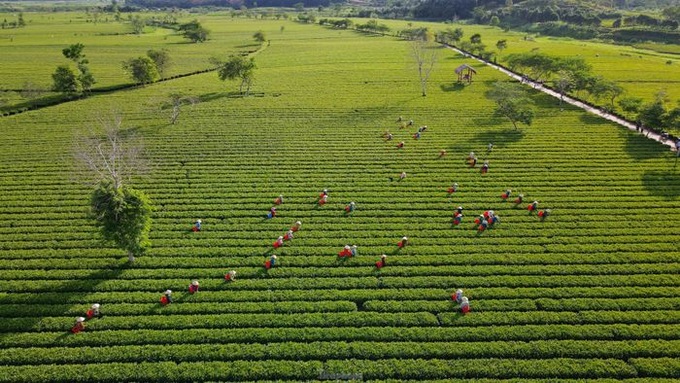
(572, 101)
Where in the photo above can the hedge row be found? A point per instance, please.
(286, 307)
(332, 270)
(118, 309)
(445, 282)
(343, 319)
(358, 319)
(356, 295)
(331, 369)
(199, 256)
(318, 334)
(308, 351)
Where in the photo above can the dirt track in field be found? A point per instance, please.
(588, 108)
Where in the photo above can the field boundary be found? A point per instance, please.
(667, 139)
(663, 138)
(37, 104)
(47, 102)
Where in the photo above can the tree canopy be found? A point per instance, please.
(450, 35)
(501, 44)
(65, 80)
(537, 65)
(259, 37)
(232, 3)
(238, 67)
(74, 52)
(124, 216)
(111, 160)
(141, 69)
(512, 102)
(194, 31)
(161, 58)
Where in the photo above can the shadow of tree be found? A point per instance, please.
(256, 45)
(454, 87)
(591, 119)
(500, 138)
(363, 33)
(665, 184)
(219, 95)
(639, 147)
(70, 292)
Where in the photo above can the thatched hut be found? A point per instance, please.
(465, 73)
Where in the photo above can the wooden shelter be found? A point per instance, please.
(465, 73)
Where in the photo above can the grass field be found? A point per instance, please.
(593, 292)
(32, 53)
(642, 70)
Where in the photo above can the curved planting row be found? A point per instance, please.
(590, 292)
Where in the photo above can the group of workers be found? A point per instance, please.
(462, 300)
(416, 135)
(489, 217)
(404, 124)
(472, 161)
(542, 214)
(348, 251)
(272, 211)
(486, 219)
(79, 325)
(288, 236)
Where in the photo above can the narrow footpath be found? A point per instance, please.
(588, 108)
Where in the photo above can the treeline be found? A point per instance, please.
(582, 14)
(19, 23)
(451, 9)
(519, 12)
(572, 75)
(229, 3)
(538, 11)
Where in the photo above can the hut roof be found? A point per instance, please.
(463, 67)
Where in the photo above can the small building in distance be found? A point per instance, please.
(465, 73)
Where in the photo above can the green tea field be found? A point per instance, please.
(590, 292)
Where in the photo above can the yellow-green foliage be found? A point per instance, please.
(591, 292)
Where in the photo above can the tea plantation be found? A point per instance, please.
(591, 292)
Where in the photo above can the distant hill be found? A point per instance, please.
(578, 19)
(227, 3)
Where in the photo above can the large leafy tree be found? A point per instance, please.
(194, 31)
(238, 68)
(65, 80)
(111, 160)
(450, 35)
(501, 45)
(141, 69)
(74, 52)
(537, 65)
(260, 37)
(512, 102)
(653, 114)
(161, 58)
(607, 89)
(124, 216)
